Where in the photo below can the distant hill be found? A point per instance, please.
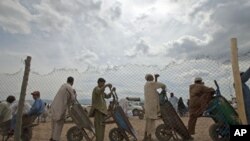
(85, 101)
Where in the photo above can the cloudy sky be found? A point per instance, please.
(88, 33)
(76, 33)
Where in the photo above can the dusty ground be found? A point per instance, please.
(42, 132)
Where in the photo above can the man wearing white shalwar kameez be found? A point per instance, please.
(174, 101)
(64, 97)
(151, 104)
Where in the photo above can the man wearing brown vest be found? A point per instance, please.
(200, 95)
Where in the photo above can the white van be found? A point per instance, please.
(134, 105)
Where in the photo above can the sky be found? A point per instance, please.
(79, 34)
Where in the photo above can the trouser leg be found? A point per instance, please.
(57, 126)
(99, 126)
(191, 123)
(13, 122)
(151, 126)
(149, 129)
(52, 128)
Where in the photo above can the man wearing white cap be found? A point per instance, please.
(199, 95)
(151, 104)
(174, 101)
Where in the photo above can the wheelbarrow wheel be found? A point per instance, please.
(26, 134)
(115, 135)
(135, 112)
(219, 132)
(74, 134)
(163, 132)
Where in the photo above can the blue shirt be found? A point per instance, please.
(37, 107)
(246, 93)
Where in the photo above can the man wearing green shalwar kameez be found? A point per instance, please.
(99, 108)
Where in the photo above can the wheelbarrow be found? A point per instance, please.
(26, 129)
(124, 129)
(83, 126)
(172, 127)
(223, 114)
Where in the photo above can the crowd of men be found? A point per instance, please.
(199, 97)
(9, 109)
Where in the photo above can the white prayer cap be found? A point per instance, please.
(198, 79)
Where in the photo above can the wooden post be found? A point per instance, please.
(237, 81)
(18, 128)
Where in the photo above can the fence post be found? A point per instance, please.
(18, 128)
(237, 81)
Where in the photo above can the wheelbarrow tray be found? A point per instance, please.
(172, 119)
(222, 111)
(80, 117)
(122, 121)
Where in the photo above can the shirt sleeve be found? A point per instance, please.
(206, 90)
(159, 85)
(1, 112)
(245, 77)
(71, 95)
(13, 108)
(36, 108)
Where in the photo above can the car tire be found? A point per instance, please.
(135, 112)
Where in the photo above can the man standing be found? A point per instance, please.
(99, 107)
(14, 107)
(64, 97)
(199, 95)
(246, 92)
(5, 111)
(151, 104)
(174, 101)
(182, 109)
(38, 106)
(36, 110)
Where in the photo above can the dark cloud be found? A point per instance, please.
(229, 19)
(141, 48)
(115, 11)
(186, 47)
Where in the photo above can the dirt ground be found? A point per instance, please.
(43, 130)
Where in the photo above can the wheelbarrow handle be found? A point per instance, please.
(113, 92)
(217, 91)
(216, 84)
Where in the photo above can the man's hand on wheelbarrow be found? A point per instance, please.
(157, 75)
(113, 89)
(109, 85)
